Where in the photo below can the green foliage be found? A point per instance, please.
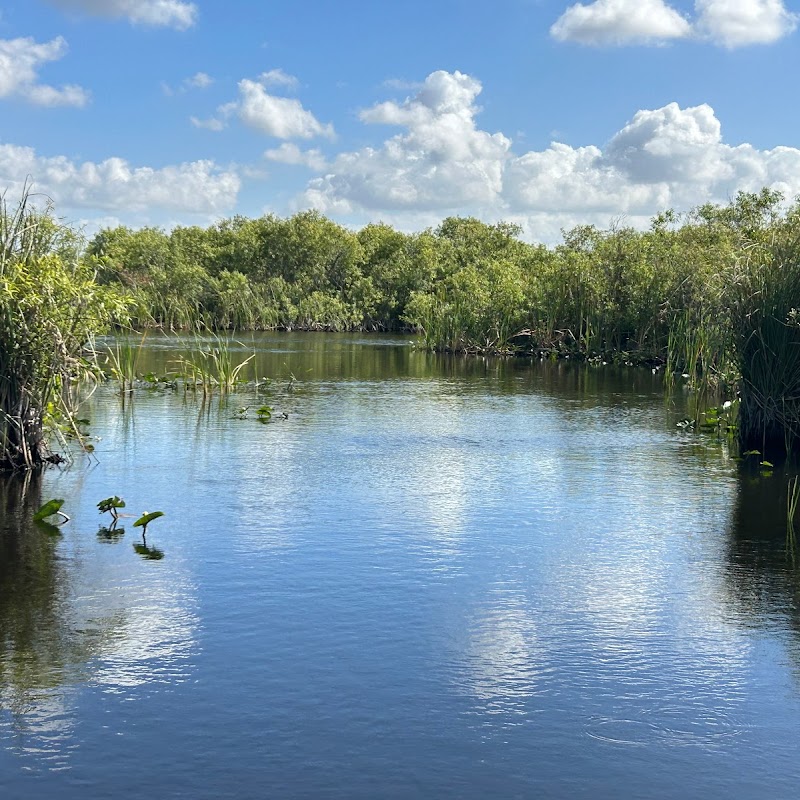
(146, 519)
(50, 307)
(711, 294)
(50, 508)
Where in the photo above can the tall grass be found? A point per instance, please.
(211, 364)
(123, 361)
(766, 333)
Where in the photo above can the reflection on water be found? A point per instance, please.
(66, 623)
(436, 577)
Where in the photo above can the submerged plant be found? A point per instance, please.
(110, 534)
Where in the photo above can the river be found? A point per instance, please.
(423, 577)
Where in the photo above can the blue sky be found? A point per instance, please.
(543, 112)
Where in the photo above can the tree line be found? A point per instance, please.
(713, 293)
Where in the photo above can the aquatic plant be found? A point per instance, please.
(110, 505)
(123, 361)
(49, 509)
(211, 365)
(146, 519)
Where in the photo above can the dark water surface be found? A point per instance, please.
(436, 578)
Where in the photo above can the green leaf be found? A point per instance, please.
(147, 518)
(47, 510)
(109, 503)
(767, 464)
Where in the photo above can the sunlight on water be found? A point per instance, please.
(424, 577)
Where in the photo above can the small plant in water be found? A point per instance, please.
(264, 413)
(146, 519)
(49, 509)
(110, 506)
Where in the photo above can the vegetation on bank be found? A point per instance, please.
(50, 306)
(712, 294)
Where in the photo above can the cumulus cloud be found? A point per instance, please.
(614, 22)
(290, 153)
(442, 163)
(733, 23)
(281, 117)
(20, 61)
(730, 23)
(158, 13)
(114, 185)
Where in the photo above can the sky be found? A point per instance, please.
(544, 113)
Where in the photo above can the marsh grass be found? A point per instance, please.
(211, 365)
(767, 336)
(123, 361)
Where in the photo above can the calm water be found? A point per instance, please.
(435, 578)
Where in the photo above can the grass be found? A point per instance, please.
(211, 366)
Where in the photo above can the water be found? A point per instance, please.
(437, 577)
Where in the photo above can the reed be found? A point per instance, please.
(123, 361)
(211, 365)
(767, 337)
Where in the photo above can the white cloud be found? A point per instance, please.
(20, 60)
(614, 22)
(160, 13)
(277, 77)
(212, 124)
(442, 163)
(730, 23)
(733, 23)
(290, 153)
(113, 185)
(200, 80)
(281, 117)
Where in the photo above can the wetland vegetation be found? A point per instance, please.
(711, 296)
